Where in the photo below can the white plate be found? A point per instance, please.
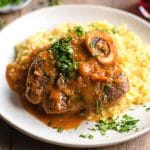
(10, 108)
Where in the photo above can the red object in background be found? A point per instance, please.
(145, 4)
(144, 7)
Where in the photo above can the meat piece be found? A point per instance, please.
(41, 88)
(36, 81)
(90, 84)
(117, 88)
(56, 103)
(101, 46)
(105, 92)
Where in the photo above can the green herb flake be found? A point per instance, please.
(147, 109)
(76, 75)
(92, 44)
(49, 123)
(83, 136)
(89, 136)
(124, 124)
(76, 128)
(136, 129)
(60, 130)
(80, 97)
(92, 129)
(131, 109)
(79, 30)
(98, 107)
(106, 88)
(114, 30)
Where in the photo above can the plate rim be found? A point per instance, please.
(63, 143)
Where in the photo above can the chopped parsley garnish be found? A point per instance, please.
(76, 128)
(92, 44)
(80, 97)
(147, 109)
(106, 88)
(92, 129)
(76, 75)
(98, 107)
(114, 30)
(89, 136)
(55, 2)
(12, 2)
(83, 135)
(105, 91)
(63, 53)
(60, 130)
(131, 109)
(124, 124)
(79, 30)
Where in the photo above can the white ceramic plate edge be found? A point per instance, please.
(121, 140)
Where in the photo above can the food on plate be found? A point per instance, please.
(76, 72)
(102, 46)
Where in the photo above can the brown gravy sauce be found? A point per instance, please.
(66, 121)
(16, 78)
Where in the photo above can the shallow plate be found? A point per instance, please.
(10, 108)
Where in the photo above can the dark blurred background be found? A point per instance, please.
(127, 5)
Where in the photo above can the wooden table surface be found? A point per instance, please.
(10, 139)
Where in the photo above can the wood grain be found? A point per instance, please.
(10, 139)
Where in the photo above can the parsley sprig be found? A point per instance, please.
(89, 136)
(125, 124)
(98, 107)
(60, 130)
(79, 30)
(147, 109)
